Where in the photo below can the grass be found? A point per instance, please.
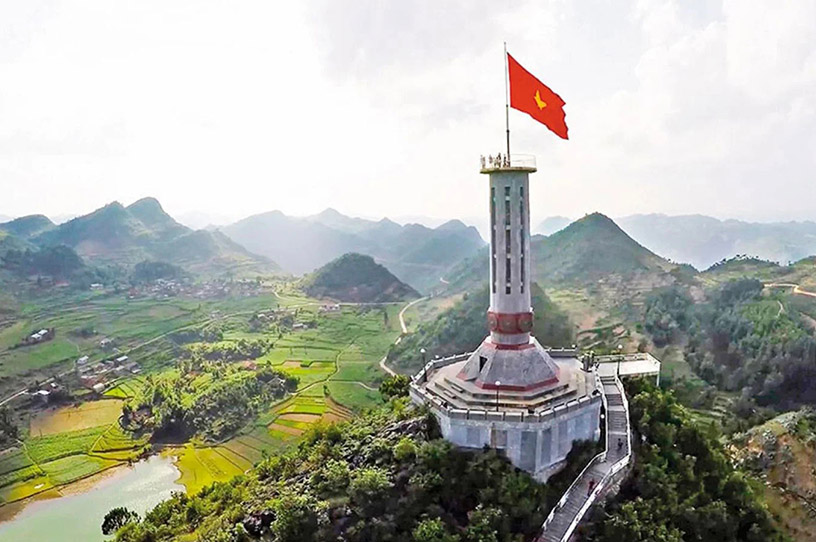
(75, 418)
(117, 439)
(73, 442)
(14, 459)
(51, 447)
(200, 467)
(26, 488)
(365, 372)
(75, 467)
(353, 395)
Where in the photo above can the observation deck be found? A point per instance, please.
(500, 162)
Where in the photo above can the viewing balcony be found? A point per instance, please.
(499, 162)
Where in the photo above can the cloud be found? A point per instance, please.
(382, 108)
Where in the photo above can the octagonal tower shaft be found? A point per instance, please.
(510, 316)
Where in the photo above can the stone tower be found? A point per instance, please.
(511, 393)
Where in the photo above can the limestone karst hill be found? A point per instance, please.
(115, 234)
(357, 278)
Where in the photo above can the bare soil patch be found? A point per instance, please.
(300, 417)
(285, 429)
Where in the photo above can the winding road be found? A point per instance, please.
(795, 288)
(404, 328)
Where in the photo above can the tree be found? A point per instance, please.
(395, 386)
(118, 518)
(433, 530)
(7, 426)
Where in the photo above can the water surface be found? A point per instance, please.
(79, 517)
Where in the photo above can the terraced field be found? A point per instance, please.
(336, 363)
(75, 418)
(44, 462)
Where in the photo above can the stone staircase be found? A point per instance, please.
(598, 474)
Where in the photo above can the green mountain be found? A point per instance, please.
(27, 227)
(416, 254)
(462, 327)
(356, 278)
(590, 249)
(588, 252)
(387, 476)
(115, 234)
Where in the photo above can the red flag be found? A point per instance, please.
(530, 95)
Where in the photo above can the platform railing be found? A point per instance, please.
(500, 161)
(607, 477)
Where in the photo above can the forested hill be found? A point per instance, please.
(26, 227)
(356, 278)
(462, 327)
(119, 235)
(587, 251)
(591, 248)
(387, 476)
(742, 339)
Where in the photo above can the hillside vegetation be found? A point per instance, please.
(464, 326)
(741, 340)
(782, 454)
(385, 476)
(683, 486)
(356, 278)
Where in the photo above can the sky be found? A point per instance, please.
(224, 109)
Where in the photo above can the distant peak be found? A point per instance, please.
(329, 212)
(453, 225)
(146, 203)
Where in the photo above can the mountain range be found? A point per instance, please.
(119, 235)
(589, 251)
(703, 241)
(416, 254)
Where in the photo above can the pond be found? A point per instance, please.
(79, 516)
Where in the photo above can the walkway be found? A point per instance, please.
(599, 472)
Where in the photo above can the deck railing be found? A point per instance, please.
(600, 458)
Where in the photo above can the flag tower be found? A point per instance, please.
(511, 393)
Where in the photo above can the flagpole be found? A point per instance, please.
(507, 102)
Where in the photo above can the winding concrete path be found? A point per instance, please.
(795, 288)
(404, 329)
(599, 473)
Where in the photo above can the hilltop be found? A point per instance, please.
(356, 278)
(591, 248)
(119, 235)
(588, 252)
(594, 272)
(26, 227)
(418, 255)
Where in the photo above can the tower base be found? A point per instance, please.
(534, 428)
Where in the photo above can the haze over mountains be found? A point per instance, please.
(119, 235)
(418, 255)
(703, 241)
